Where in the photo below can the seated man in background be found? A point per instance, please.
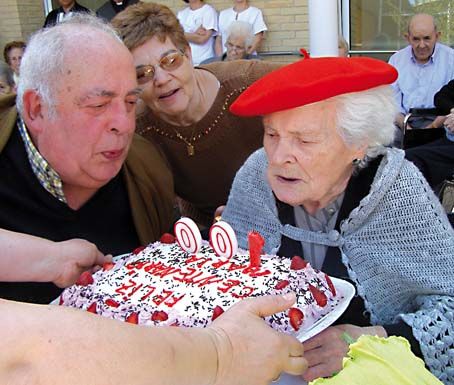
(12, 53)
(424, 66)
(239, 40)
(70, 162)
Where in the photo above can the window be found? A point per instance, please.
(377, 27)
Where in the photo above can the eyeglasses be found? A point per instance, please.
(231, 46)
(169, 62)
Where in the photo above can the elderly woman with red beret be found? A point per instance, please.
(326, 187)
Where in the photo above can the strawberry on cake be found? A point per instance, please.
(163, 284)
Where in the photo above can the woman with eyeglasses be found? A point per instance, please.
(186, 110)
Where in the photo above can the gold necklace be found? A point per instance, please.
(190, 149)
(189, 146)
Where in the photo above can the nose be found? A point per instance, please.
(161, 76)
(122, 119)
(282, 152)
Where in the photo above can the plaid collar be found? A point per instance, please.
(47, 176)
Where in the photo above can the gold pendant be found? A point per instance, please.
(190, 149)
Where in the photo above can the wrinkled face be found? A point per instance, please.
(169, 92)
(422, 38)
(236, 48)
(308, 160)
(88, 139)
(14, 59)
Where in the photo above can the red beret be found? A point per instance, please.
(312, 80)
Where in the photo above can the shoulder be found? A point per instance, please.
(8, 116)
(144, 153)
(243, 71)
(80, 8)
(397, 57)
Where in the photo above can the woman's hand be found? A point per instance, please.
(325, 351)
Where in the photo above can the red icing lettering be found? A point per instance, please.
(150, 292)
(254, 271)
(173, 300)
(219, 264)
(245, 292)
(233, 266)
(229, 284)
(207, 280)
(158, 299)
(134, 290)
(180, 275)
(125, 286)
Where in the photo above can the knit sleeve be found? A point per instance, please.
(433, 327)
(251, 204)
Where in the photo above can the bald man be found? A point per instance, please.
(424, 66)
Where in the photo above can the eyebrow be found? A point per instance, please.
(104, 93)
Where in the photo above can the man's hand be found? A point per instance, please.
(325, 351)
(437, 122)
(449, 122)
(73, 257)
(249, 351)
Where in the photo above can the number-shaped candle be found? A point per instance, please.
(223, 239)
(188, 235)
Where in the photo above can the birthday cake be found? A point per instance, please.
(162, 284)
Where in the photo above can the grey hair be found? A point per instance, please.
(242, 29)
(43, 64)
(367, 118)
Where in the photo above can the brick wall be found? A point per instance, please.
(18, 19)
(287, 21)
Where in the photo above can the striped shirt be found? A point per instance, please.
(47, 176)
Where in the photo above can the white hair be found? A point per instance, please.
(43, 64)
(367, 118)
(241, 29)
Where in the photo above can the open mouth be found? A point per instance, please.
(168, 94)
(286, 180)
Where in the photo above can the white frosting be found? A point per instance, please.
(188, 287)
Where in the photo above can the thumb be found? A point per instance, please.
(270, 304)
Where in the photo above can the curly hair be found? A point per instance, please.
(140, 22)
(11, 45)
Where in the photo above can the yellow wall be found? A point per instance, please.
(287, 21)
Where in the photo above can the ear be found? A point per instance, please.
(407, 36)
(33, 111)
(437, 35)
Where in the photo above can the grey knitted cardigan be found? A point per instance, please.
(397, 245)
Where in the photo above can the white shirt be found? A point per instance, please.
(191, 20)
(252, 15)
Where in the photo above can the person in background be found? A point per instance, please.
(242, 11)
(66, 9)
(111, 7)
(12, 53)
(238, 43)
(185, 110)
(327, 186)
(424, 66)
(6, 80)
(200, 24)
(71, 165)
(342, 45)
(59, 345)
